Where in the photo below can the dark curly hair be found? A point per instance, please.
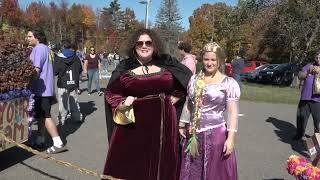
(39, 34)
(185, 46)
(157, 44)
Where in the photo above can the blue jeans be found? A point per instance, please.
(115, 63)
(93, 74)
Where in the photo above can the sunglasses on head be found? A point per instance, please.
(139, 44)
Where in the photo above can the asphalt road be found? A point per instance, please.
(263, 144)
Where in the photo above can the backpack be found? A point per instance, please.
(69, 76)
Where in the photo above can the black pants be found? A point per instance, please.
(304, 109)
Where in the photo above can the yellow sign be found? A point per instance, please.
(14, 120)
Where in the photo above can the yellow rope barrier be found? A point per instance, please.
(64, 163)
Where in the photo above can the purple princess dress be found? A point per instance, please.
(212, 132)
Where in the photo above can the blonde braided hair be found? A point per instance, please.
(199, 85)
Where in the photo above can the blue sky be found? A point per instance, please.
(186, 7)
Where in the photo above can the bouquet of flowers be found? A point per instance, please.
(300, 168)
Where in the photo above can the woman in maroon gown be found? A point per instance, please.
(142, 94)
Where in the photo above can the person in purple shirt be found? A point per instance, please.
(309, 102)
(43, 88)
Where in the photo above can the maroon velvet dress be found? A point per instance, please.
(147, 149)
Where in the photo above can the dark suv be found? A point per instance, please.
(281, 75)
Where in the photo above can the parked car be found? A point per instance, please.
(281, 75)
(249, 66)
(228, 69)
(252, 65)
(253, 75)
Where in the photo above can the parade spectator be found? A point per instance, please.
(142, 93)
(92, 66)
(67, 66)
(208, 150)
(43, 88)
(309, 102)
(189, 59)
(238, 66)
(110, 60)
(116, 60)
(80, 55)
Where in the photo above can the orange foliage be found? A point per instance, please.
(33, 14)
(10, 11)
(89, 16)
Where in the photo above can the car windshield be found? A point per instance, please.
(266, 67)
(262, 67)
(273, 66)
(281, 66)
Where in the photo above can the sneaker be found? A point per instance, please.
(78, 92)
(89, 93)
(100, 93)
(54, 149)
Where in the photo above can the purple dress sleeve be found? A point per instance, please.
(187, 107)
(232, 97)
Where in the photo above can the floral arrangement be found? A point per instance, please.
(31, 120)
(16, 71)
(192, 147)
(15, 94)
(300, 168)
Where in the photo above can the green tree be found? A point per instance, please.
(168, 24)
(210, 22)
(293, 33)
(113, 17)
(131, 24)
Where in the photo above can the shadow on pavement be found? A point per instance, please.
(285, 131)
(13, 156)
(41, 172)
(70, 127)
(87, 108)
(17, 155)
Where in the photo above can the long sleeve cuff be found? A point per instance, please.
(185, 121)
(124, 117)
(233, 130)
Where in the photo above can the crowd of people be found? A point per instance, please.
(67, 65)
(169, 114)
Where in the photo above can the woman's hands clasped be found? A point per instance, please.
(182, 132)
(127, 102)
(182, 129)
(174, 100)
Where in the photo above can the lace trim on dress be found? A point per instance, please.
(211, 127)
(146, 75)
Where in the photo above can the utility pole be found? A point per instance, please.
(146, 18)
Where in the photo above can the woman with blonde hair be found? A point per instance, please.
(208, 150)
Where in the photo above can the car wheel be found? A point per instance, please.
(277, 80)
